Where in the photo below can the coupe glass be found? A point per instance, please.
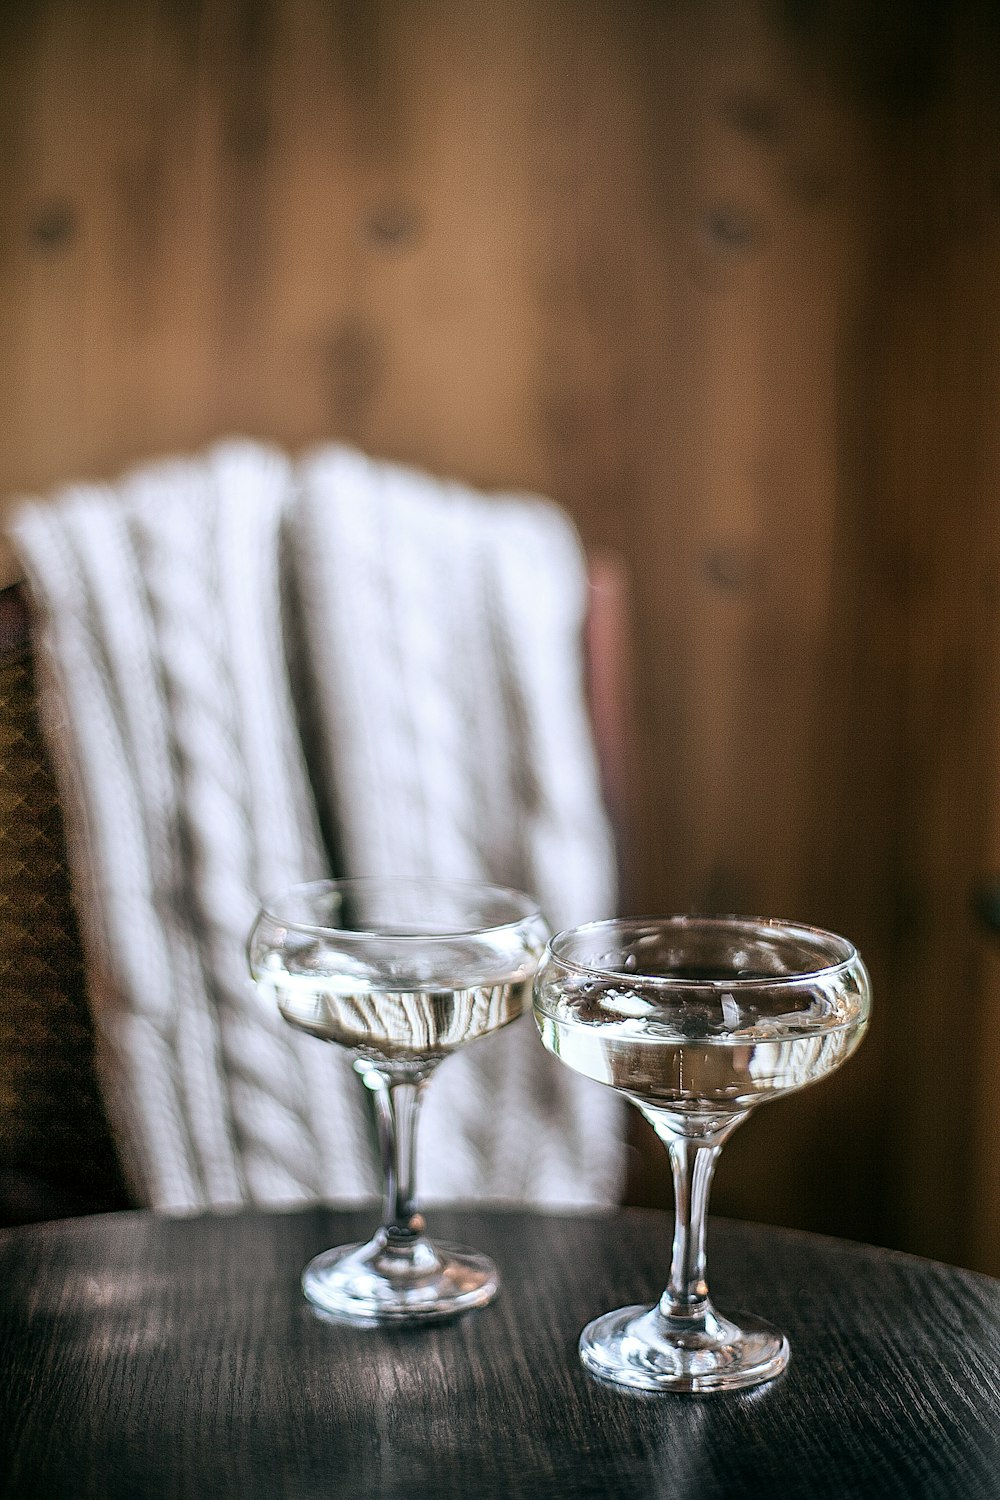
(697, 1020)
(401, 973)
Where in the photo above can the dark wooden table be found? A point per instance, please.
(143, 1356)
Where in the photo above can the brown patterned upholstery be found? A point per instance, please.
(56, 1153)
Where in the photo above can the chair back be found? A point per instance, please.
(57, 1155)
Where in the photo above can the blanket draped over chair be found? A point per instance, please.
(256, 671)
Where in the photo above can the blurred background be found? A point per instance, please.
(721, 277)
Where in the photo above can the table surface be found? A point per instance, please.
(143, 1356)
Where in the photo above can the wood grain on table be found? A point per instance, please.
(144, 1356)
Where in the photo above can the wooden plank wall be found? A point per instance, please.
(721, 277)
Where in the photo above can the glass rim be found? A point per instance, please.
(269, 905)
(636, 925)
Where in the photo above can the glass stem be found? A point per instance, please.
(692, 1164)
(397, 1103)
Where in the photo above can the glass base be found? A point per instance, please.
(640, 1348)
(399, 1281)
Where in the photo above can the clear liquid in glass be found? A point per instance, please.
(684, 1070)
(415, 1023)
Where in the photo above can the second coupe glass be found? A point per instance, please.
(401, 973)
(697, 1020)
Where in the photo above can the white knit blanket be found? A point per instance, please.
(236, 652)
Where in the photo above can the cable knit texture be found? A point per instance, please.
(235, 653)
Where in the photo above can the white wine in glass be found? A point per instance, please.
(400, 973)
(697, 1020)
